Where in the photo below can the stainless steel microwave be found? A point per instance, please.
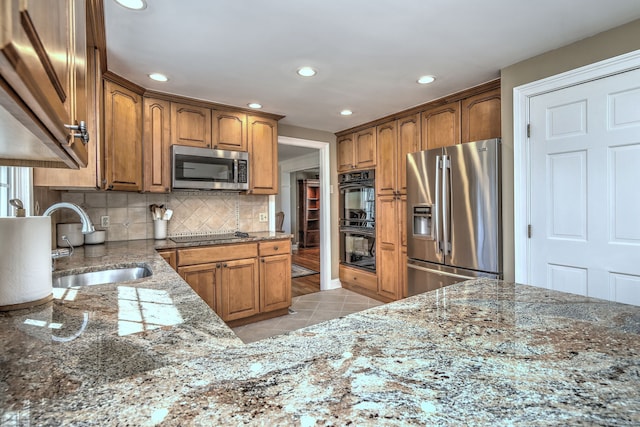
(195, 168)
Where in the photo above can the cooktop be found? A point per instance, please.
(209, 237)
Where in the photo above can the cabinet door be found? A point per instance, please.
(408, 142)
(204, 279)
(190, 125)
(481, 117)
(441, 126)
(123, 138)
(157, 139)
(345, 153)
(387, 148)
(239, 290)
(365, 148)
(275, 282)
(229, 130)
(263, 155)
(44, 61)
(169, 255)
(387, 247)
(89, 177)
(403, 292)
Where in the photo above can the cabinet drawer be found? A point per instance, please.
(274, 247)
(216, 253)
(359, 278)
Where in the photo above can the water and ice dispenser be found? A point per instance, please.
(423, 221)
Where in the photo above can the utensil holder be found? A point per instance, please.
(160, 229)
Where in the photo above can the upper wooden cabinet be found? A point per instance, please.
(357, 151)
(229, 130)
(89, 177)
(263, 155)
(481, 116)
(43, 67)
(346, 159)
(441, 126)
(190, 125)
(156, 138)
(122, 138)
(395, 139)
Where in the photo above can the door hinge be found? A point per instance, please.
(528, 130)
(529, 231)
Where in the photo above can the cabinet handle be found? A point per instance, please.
(82, 133)
(262, 259)
(217, 265)
(110, 187)
(275, 248)
(224, 265)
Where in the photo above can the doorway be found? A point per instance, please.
(316, 157)
(576, 202)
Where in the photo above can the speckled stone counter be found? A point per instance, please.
(481, 352)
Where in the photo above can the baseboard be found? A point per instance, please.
(334, 284)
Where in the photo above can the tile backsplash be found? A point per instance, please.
(193, 212)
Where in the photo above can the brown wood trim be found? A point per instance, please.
(366, 292)
(114, 78)
(257, 317)
(32, 34)
(458, 96)
(208, 104)
(28, 304)
(96, 33)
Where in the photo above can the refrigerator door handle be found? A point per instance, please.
(446, 244)
(443, 273)
(436, 210)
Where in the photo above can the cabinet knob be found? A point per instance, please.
(110, 187)
(217, 265)
(275, 248)
(224, 265)
(262, 259)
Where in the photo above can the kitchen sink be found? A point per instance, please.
(111, 275)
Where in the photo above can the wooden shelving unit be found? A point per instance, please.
(309, 213)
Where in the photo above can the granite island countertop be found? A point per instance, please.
(481, 352)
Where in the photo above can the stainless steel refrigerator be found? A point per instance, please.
(454, 215)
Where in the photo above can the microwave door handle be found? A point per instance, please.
(436, 209)
(236, 179)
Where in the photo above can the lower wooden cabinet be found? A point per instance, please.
(169, 255)
(242, 282)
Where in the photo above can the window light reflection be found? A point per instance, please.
(142, 309)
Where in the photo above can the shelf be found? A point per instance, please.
(309, 213)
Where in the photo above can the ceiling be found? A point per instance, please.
(368, 53)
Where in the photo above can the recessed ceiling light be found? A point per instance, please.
(133, 4)
(346, 112)
(306, 72)
(254, 105)
(426, 80)
(158, 77)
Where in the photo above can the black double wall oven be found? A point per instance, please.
(358, 219)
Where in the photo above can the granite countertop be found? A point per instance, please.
(482, 352)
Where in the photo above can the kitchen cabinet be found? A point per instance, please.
(43, 81)
(170, 256)
(309, 213)
(156, 139)
(122, 138)
(357, 151)
(204, 280)
(190, 125)
(239, 289)
(89, 177)
(481, 116)
(441, 126)
(360, 281)
(242, 282)
(395, 139)
(229, 130)
(275, 275)
(263, 155)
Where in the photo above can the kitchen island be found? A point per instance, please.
(151, 352)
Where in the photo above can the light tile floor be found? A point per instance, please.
(307, 310)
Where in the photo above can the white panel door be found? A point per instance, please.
(585, 189)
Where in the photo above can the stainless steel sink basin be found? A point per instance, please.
(112, 275)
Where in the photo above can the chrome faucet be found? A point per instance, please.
(87, 225)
